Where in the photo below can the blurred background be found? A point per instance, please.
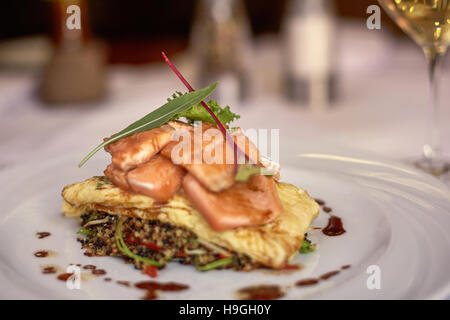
(309, 67)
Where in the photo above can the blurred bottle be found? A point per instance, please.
(220, 43)
(76, 71)
(309, 67)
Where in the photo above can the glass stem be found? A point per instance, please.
(431, 147)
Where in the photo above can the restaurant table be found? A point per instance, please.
(382, 106)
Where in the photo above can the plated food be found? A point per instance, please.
(215, 203)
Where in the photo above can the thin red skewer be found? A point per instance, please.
(237, 150)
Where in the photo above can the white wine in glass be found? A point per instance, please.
(427, 22)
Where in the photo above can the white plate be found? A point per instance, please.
(396, 218)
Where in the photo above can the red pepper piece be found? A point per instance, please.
(150, 270)
(151, 246)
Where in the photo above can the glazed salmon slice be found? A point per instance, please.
(129, 152)
(246, 146)
(215, 177)
(117, 177)
(250, 203)
(213, 162)
(158, 178)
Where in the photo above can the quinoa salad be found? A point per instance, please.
(156, 241)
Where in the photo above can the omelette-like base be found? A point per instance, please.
(271, 245)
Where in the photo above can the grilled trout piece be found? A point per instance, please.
(251, 203)
(129, 152)
(216, 175)
(117, 176)
(272, 244)
(212, 162)
(159, 178)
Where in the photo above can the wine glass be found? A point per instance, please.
(427, 22)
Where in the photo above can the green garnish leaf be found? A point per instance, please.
(199, 113)
(101, 181)
(245, 171)
(85, 231)
(120, 243)
(215, 264)
(158, 117)
(307, 247)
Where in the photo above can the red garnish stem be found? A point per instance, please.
(175, 70)
(237, 151)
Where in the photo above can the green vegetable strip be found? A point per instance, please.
(124, 249)
(85, 231)
(216, 264)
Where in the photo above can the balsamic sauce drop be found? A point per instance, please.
(261, 292)
(49, 269)
(43, 234)
(306, 282)
(41, 254)
(64, 276)
(152, 286)
(89, 267)
(98, 271)
(334, 227)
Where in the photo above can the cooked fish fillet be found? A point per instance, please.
(251, 203)
(215, 175)
(271, 245)
(212, 164)
(129, 152)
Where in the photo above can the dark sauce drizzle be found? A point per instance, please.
(327, 209)
(49, 269)
(41, 254)
(328, 275)
(320, 202)
(261, 292)
(43, 234)
(64, 276)
(325, 276)
(89, 267)
(334, 227)
(98, 271)
(124, 283)
(152, 286)
(269, 292)
(307, 282)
